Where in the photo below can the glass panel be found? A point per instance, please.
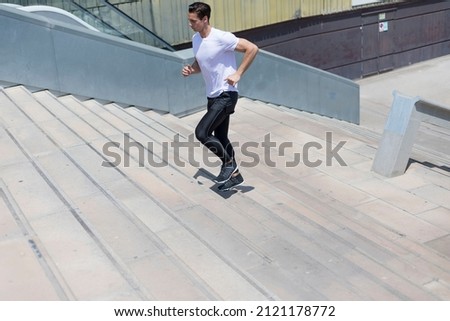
(106, 18)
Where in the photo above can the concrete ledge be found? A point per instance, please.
(402, 125)
(285, 82)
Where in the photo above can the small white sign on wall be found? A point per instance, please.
(384, 26)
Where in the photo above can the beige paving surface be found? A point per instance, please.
(156, 228)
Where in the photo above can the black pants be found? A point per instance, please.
(212, 130)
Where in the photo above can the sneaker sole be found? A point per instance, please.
(230, 188)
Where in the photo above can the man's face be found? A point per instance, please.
(195, 23)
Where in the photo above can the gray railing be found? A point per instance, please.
(401, 129)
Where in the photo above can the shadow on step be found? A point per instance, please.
(215, 188)
(429, 165)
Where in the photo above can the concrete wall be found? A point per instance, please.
(40, 53)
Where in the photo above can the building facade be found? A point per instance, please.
(167, 18)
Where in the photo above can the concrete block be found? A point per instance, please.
(401, 129)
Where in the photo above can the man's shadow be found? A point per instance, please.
(215, 188)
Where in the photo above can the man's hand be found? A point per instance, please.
(233, 79)
(187, 71)
(191, 69)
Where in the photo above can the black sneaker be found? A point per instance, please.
(226, 172)
(231, 183)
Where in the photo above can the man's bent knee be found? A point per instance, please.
(201, 135)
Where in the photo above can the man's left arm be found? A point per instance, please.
(250, 51)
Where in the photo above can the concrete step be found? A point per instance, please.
(230, 215)
(353, 200)
(430, 144)
(259, 210)
(165, 233)
(313, 196)
(53, 221)
(82, 159)
(273, 222)
(138, 179)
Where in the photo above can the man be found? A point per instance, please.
(214, 52)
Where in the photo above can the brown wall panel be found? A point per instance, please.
(333, 48)
(351, 44)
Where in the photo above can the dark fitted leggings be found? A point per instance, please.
(212, 130)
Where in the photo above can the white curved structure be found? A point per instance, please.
(57, 14)
(10, 5)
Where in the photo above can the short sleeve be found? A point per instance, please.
(230, 41)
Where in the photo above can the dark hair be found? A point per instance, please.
(201, 9)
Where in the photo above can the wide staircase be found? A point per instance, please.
(101, 202)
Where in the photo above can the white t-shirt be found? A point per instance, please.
(216, 58)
